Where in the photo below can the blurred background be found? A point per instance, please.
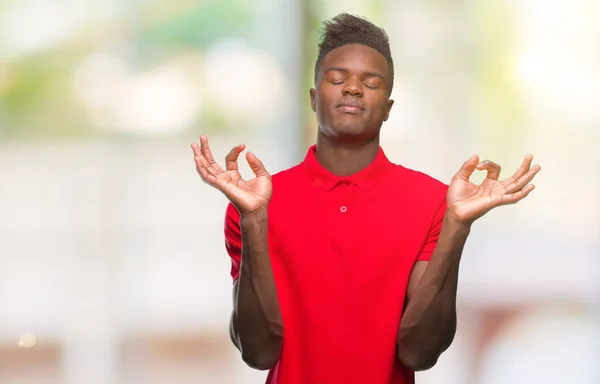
(112, 260)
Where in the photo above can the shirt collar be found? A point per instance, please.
(325, 180)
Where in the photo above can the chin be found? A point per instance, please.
(348, 130)
(351, 135)
(347, 125)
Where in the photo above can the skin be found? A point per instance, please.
(351, 102)
(348, 140)
(256, 327)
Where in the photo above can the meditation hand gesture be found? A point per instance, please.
(467, 201)
(246, 195)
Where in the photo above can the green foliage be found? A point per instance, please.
(202, 25)
(37, 98)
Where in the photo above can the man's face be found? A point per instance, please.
(351, 98)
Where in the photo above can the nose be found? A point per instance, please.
(353, 87)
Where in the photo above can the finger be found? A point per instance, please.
(195, 149)
(467, 168)
(522, 181)
(525, 166)
(514, 198)
(202, 163)
(256, 165)
(231, 158)
(493, 169)
(208, 154)
(205, 170)
(522, 170)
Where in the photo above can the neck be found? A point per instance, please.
(344, 159)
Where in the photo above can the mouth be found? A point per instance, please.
(350, 107)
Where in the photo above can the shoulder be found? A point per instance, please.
(289, 175)
(418, 181)
(421, 194)
(288, 183)
(416, 190)
(282, 181)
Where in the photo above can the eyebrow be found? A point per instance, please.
(366, 74)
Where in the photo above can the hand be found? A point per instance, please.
(247, 196)
(467, 201)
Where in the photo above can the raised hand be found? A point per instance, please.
(247, 196)
(467, 201)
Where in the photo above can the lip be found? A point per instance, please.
(350, 106)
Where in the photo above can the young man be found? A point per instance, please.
(345, 266)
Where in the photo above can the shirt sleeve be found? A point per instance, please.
(233, 239)
(434, 233)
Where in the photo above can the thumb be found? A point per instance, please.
(467, 168)
(256, 165)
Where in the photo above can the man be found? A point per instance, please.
(345, 266)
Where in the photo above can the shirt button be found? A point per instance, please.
(343, 209)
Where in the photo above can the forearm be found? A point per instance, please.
(429, 321)
(256, 319)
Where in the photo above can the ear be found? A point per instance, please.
(388, 108)
(313, 99)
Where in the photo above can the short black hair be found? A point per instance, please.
(349, 29)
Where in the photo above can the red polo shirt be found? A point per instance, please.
(342, 250)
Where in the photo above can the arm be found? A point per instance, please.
(429, 322)
(256, 327)
(428, 325)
